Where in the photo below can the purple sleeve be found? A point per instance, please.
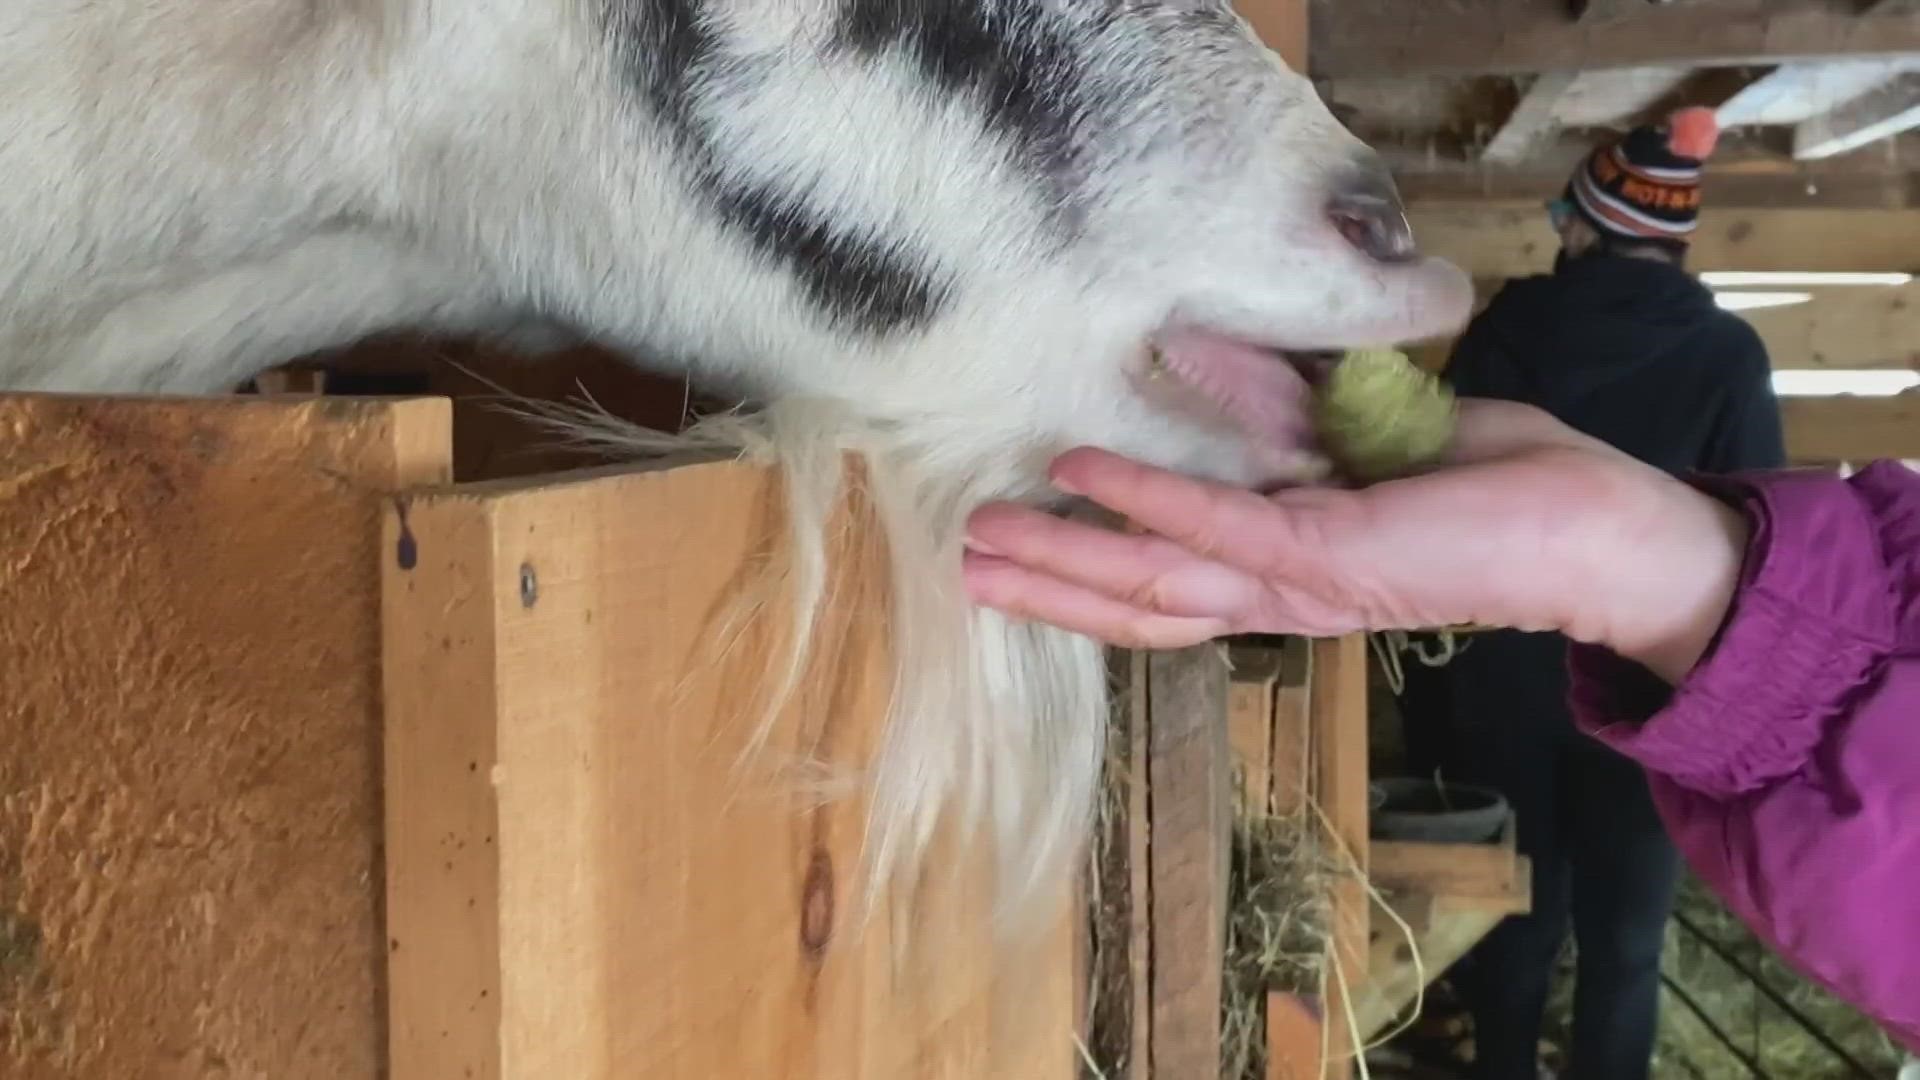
(1787, 764)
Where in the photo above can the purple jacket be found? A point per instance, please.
(1787, 765)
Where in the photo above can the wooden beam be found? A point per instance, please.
(1508, 242)
(1792, 93)
(1615, 93)
(1479, 38)
(1812, 187)
(1876, 115)
(1853, 430)
(1844, 329)
(1840, 329)
(1532, 122)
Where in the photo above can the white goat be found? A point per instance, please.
(941, 233)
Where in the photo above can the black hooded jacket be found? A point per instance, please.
(1635, 353)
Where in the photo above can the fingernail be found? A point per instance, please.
(1064, 486)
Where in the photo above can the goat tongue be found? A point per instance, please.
(1262, 393)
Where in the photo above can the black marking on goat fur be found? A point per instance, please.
(1020, 68)
(665, 48)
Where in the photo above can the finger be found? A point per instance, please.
(1030, 595)
(1145, 571)
(1222, 523)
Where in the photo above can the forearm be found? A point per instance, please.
(1785, 762)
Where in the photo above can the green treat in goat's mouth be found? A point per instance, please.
(1379, 415)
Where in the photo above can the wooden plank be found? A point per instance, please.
(1189, 778)
(1120, 1014)
(583, 883)
(1840, 328)
(1856, 430)
(1527, 187)
(1604, 98)
(1339, 720)
(1448, 896)
(1443, 932)
(1477, 37)
(1282, 25)
(1844, 328)
(1309, 1037)
(190, 776)
(1297, 1039)
(1250, 697)
(1533, 120)
(1491, 875)
(1514, 242)
(1792, 93)
(1879, 114)
(1292, 769)
(1139, 875)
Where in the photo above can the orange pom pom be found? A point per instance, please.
(1693, 133)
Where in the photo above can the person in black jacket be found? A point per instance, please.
(1620, 342)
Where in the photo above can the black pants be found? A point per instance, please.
(1601, 858)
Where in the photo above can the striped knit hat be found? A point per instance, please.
(1646, 187)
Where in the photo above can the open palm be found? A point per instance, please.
(1528, 524)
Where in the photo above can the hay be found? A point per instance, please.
(1109, 1020)
(1760, 1028)
(1687, 1050)
(1279, 898)
(1279, 923)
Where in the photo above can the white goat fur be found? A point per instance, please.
(933, 232)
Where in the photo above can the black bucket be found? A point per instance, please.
(1421, 810)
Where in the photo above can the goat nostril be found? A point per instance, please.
(1379, 231)
(1368, 212)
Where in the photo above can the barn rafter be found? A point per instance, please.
(1493, 100)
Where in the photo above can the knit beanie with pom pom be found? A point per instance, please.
(1646, 187)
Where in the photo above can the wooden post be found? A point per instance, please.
(1257, 671)
(582, 883)
(190, 770)
(1324, 739)
(1189, 792)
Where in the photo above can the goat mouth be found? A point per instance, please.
(1265, 393)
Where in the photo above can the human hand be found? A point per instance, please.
(1527, 524)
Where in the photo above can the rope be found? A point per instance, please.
(1389, 645)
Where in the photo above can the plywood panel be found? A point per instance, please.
(189, 691)
(581, 882)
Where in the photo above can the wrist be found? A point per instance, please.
(1668, 598)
